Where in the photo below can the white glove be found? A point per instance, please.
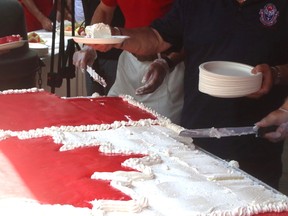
(84, 57)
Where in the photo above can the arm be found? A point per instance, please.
(67, 10)
(142, 41)
(33, 9)
(103, 13)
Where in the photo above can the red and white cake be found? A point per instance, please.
(113, 156)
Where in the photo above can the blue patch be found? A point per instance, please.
(268, 15)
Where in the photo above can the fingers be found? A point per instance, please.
(279, 118)
(280, 134)
(273, 136)
(48, 26)
(101, 47)
(146, 89)
(267, 80)
(84, 57)
(147, 76)
(269, 120)
(152, 79)
(150, 84)
(79, 60)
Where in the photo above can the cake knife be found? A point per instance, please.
(226, 132)
(96, 76)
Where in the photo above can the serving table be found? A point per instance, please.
(78, 83)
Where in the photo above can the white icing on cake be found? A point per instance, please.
(174, 178)
(21, 91)
(98, 30)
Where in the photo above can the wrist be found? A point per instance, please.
(169, 62)
(163, 63)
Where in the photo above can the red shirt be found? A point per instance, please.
(140, 13)
(45, 6)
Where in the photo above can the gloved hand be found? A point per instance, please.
(280, 118)
(154, 77)
(84, 57)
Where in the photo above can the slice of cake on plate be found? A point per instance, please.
(98, 30)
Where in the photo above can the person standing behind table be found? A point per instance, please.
(253, 32)
(106, 63)
(37, 14)
(133, 71)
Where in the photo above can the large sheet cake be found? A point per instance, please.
(113, 156)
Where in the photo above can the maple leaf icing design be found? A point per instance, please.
(60, 177)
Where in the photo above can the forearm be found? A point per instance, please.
(33, 9)
(103, 14)
(143, 41)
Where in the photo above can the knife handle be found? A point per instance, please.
(263, 130)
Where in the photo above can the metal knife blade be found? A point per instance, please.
(226, 132)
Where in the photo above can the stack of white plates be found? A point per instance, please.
(228, 79)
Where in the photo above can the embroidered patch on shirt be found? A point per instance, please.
(269, 14)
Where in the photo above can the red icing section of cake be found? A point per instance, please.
(56, 177)
(42, 109)
(110, 109)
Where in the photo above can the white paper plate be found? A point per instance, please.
(227, 69)
(40, 48)
(108, 40)
(12, 45)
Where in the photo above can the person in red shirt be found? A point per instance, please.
(37, 14)
(140, 13)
